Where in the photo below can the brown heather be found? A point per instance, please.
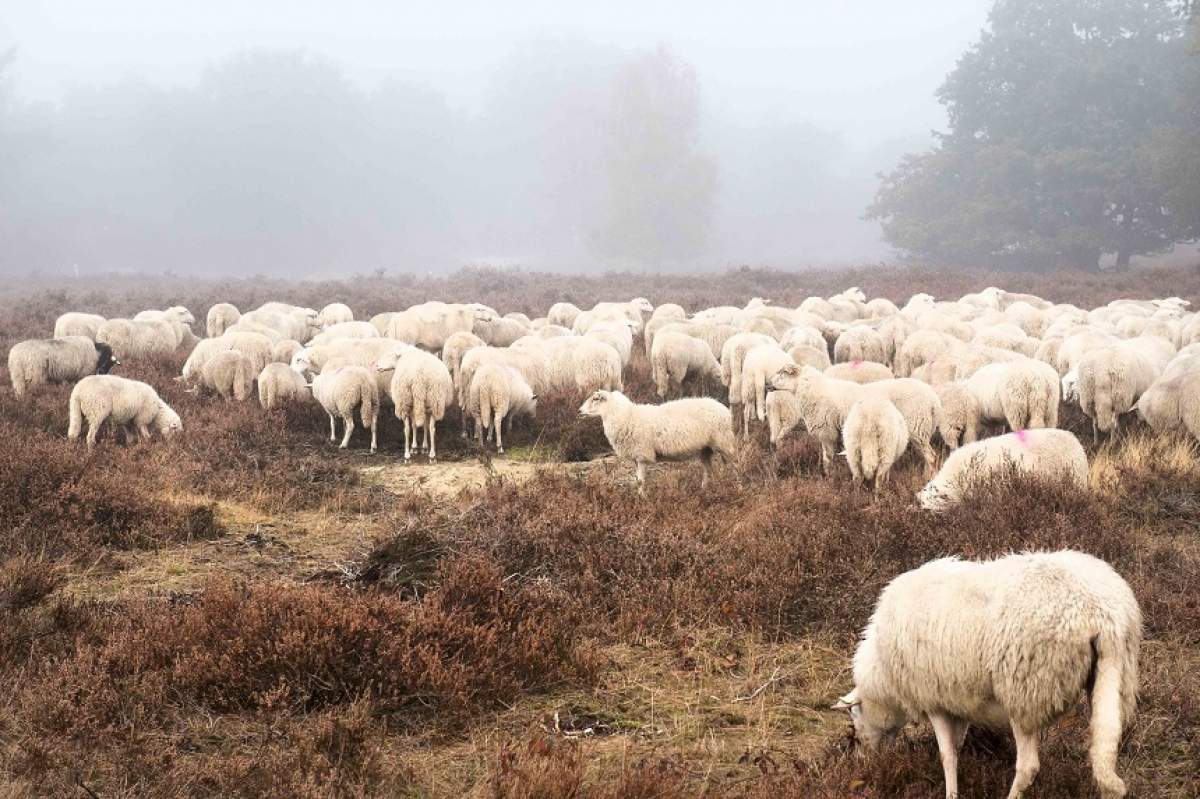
(245, 612)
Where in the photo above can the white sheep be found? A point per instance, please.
(37, 362)
(922, 346)
(334, 313)
(807, 355)
(1046, 453)
(497, 395)
(711, 333)
(421, 390)
(523, 318)
(669, 310)
(342, 391)
(429, 325)
(677, 356)
(78, 324)
(278, 383)
(859, 343)
(1022, 394)
(618, 335)
(733, 353)
(959, 414)
(129, 404)
(580, 364)
(758, 366)
(1010, 642)
(343, 330)
(231, 374)
(284, 350)
(684, 429)
(180, 320)
(783, 414)
(859, 372)
(531, 362)
(456, 347)
(499, 332)
(1110, 381)
(880, 308)
(1172, 403)
(563, 314)
(221, 316)
(875, 436)
(132, 339)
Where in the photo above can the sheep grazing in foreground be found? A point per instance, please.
(678, 356)
(221, 317)
(1010, 642)
(683, 429)
(344, 390)
(1046, 453)
(875, 436)
(78, 324)
(231, 374)
(421, 390)
(498, 394)
(129, 404)
(278, 384)
(37, 362)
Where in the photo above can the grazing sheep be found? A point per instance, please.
(1023, 394)
(349, 352)
(231, 374)
(635, 310)
(783, 414)
(78, 324)
(220, 317)
(757, 367)
(1110, 381)
(497, 394)
(1010, 642)
(859, 372)
(37, 362)
(1046, 452)
(455, 348)
(278, 383)
(958, 415)
(133, 339)
(421, 390)
(563, 314)
(179, 319)
(580, 364)
(676, 357)
(334, 313)
(683, 429)
(343, 330)
(894, 330)
(283, 351)
(1172, 403)
(129, 404)
(806, 355)
(859, 343)
(875, 435)
(344, 390)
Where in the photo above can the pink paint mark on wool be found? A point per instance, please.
(1022, 436)
(856, 363)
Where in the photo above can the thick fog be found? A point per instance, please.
(311, 138)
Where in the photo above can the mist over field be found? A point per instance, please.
(297, 139)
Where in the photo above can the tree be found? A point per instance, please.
(658, 205)
(1047, 159)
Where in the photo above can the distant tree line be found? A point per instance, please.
(1074, 130)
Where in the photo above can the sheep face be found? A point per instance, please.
(595, 404)
(167, 421)
(301, 362)
(105, 360)
(181, 314)
(642, 305)
(787, 378)
(874, 725)
(388, 361)
(482, 313)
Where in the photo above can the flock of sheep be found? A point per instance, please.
(868, 377)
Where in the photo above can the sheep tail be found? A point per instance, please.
(76, 416)
(485, 409)
(1114, 694)
(369, 409)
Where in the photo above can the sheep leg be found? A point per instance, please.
(1027, 761)
(407, 439)
(349, 420)
(432, 441)
(479, 432)
(927, 456)
(144, 430)
(497, 424)
(332, 429)
(466, 420)
(706, 457)
(944, 729)
(641, 478)
(747, 411)
(374, 439)
(93, 431)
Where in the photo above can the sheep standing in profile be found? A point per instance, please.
(38, 362)
(1047, 453)
(684, 429)
(78, 324)
(344, 390)
(875, 436)
(278, 383)
(1010, 642)
(129, 404)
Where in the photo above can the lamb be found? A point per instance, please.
(1022, 394)
(875, 435)
(37, 362)
(421, 390)
(129, 404)
(684, 429)
(824, 403)
(859, 372)
(958, 416)
(455, 348)
(497, 394)
(344, 390)
(230, 374)
(676, 357)
(334, 313)
(1172, 403)
(1040, 628)
(760, 363)
(1046, 453)
(343, 330)
(220, 317)
(78, 324)
(1111, 380)
(278, 384)
(859, 343)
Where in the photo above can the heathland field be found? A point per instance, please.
(245, 610)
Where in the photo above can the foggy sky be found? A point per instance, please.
(861, 76)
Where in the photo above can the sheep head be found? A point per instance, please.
(596, 404)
